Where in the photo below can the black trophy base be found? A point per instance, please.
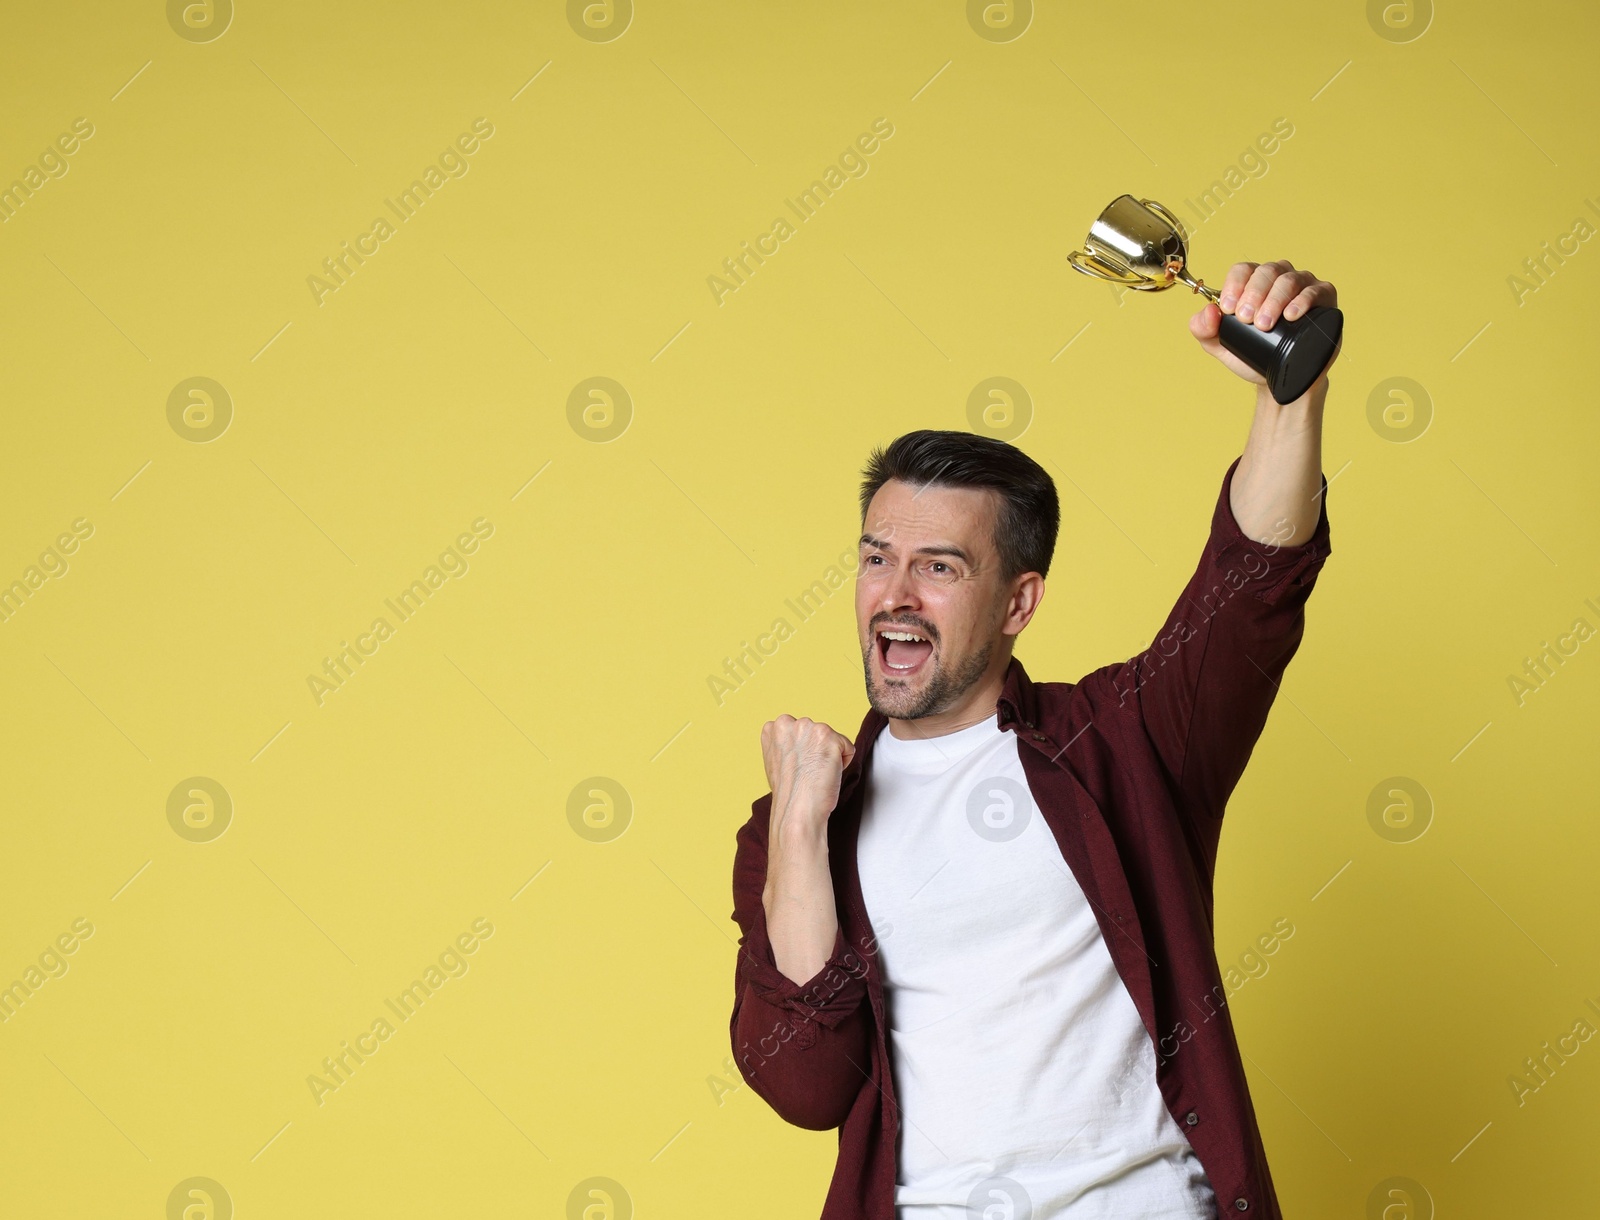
(1292, 355)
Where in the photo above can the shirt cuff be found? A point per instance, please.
(828, 997)
(1289, 566)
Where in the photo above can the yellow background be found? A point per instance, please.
(589, 1038)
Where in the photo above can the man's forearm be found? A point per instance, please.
(802, 922)
(1276, 487)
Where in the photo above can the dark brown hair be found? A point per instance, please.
(1030, 514)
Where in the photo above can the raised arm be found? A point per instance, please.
(1203, 688)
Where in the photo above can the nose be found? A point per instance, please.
(900, 591)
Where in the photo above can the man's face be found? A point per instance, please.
(928, 569)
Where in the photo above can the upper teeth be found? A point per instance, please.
(903, 635)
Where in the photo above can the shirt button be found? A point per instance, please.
(1191, 1118)
(1242, 1203)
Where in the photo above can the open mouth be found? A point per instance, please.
(902, 651)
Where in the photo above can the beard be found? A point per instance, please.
(944, 689)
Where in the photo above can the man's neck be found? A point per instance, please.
(976, 706)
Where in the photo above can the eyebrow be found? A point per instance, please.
(945, 548)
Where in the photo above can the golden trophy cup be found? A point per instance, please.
(1141, 245)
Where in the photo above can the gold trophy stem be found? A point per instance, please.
(1183, 275)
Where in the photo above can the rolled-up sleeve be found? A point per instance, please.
(803, 1047)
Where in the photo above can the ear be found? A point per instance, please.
(1027, 591)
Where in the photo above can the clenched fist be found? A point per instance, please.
(805, 763)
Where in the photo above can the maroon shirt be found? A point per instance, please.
(1131, 768)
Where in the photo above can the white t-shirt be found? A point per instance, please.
(1025, 1077)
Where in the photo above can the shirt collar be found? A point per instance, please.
(1019, 702)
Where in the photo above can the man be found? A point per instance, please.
(980, 943)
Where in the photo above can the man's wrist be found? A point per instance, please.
(1303, 412)
(801, 825)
